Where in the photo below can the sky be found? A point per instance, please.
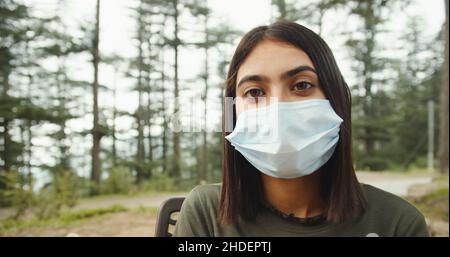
(118, 28)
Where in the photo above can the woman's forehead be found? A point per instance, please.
(272, 58)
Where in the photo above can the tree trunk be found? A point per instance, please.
(6, 137)
(29, 122)
(149, 135)
(96, 133)
(444, 129)
(204, 159)
(63, 148)
(149, 113)
(368, 81)
(140, 140)
(175, 172)
(163, 110)
(113, 132)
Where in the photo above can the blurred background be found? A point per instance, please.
(90, 89)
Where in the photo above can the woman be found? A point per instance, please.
(293, 175)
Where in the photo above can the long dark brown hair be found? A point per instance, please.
(242, 191)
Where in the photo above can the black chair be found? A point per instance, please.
(164, 219)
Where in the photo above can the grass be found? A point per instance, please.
(436, 203)
(66, 218)
(441, 179)
(134, 194)
(153, 211)
(77, 217)
(88, 213)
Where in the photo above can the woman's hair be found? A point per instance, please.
(242, 191)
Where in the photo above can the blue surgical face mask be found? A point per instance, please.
(287, 139)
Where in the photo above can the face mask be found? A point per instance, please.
(287, 139)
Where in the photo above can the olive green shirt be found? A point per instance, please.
(386, 215)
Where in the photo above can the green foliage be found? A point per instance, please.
(152, 211)
(390, 112)
(164, 183)
(434, 204)
(17, 193)
(48, 202)
(64, 191)
(89, 213)
(65, 218)
(120, 181)
(13, 34)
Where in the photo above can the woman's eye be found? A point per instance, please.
(302, 86)
(254, 92)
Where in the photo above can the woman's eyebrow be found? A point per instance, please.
(285, 75)
(254, 78)
(294, 71)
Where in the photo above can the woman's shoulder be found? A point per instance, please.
(208, 189)
(382, 198)
(204, 196)
(387, 208)
(198, 212)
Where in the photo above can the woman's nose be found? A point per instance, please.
(280, 93)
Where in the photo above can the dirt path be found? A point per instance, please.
(395, 183)
(129, 223)
(130, 202)
(137, 221)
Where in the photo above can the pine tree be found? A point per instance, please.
(369, 95)
(444, 130)
(97, 132)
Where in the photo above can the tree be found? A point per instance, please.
(18, 112)
(140, 111)
(200, 9)
(116, 62)
(309, 13)
(176, 42)
(13, 33)
(370, 98)
(443, 136)
(97, 132)
(59, 45)
(417, 83)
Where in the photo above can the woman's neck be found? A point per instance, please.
(300, 196)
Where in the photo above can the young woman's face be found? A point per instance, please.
(275, 69)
